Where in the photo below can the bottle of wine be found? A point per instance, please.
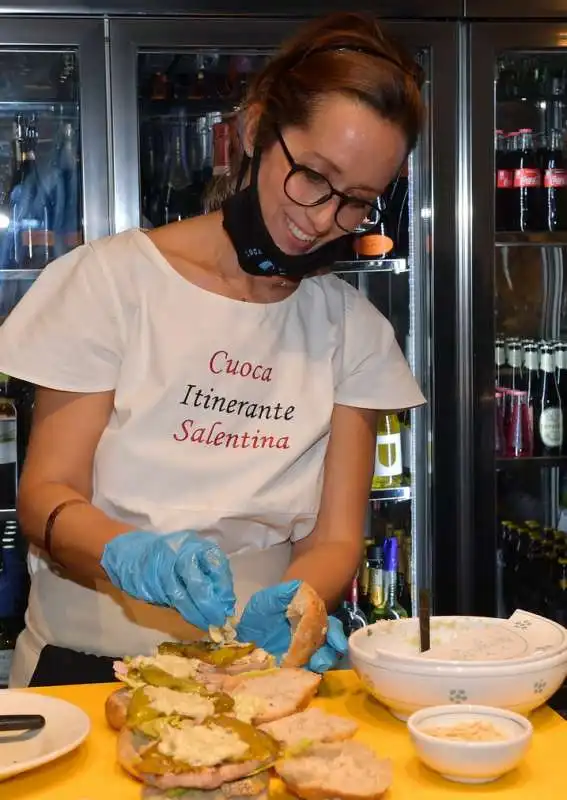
(499, 360)
(8, 447)
(389, 607)
(375, 581)
(388, 466)
(29, 206)
(13, 594)
(376, 242)
(12, 249)
(549, 424)
(404, 570)
(350, 613)
(364, 576)
(178, 197)
(532, 383)
(69, 163)
(558, 599)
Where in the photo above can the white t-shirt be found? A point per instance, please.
(221, 415)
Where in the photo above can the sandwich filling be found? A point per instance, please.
(184, 747)
(201, 745)
(169, 670)
(217, 655)
(151, 703)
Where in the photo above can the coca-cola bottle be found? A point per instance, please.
(555, 184)
(504, 182)
(526, 201)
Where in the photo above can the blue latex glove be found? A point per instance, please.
(264, 622)
(179, 570)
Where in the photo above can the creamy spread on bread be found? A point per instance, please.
(201, 745)
(225, 634)
(168, 702)
(248, 706)
(176, 666)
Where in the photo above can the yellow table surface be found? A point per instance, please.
(91, 772)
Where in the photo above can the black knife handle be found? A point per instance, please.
(21, 722)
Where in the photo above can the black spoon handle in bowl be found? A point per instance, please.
(424, 621)
(21, 722)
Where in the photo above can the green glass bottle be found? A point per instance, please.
(388, 468)
(388, 605)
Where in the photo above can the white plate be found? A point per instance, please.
(66, 726)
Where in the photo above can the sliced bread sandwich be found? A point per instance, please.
(185, 755)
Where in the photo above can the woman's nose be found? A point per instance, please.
(322, 218)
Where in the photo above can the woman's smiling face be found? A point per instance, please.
(352, 146)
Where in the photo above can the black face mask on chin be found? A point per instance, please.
(257, 252)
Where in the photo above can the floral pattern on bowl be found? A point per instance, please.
(522, 624)
(458, 696)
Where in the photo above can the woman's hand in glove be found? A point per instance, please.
(264, 622)
(179, 570)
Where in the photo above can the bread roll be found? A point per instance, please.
(276, 694)
(307, 616)
(116, 708)
(342, 771)
(311, 725)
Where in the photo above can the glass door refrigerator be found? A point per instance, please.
(176, 86)
(514, 554)
(53, 196)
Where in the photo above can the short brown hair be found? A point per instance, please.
(344, 53)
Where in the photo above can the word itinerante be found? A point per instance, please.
(213, 434)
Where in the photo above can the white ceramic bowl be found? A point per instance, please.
(470, 761)
(399, 639)
(406, 686)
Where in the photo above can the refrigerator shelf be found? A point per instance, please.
(188, 107)
(39, 106)
(533, 462)
(7, 274)
(544, 239)
(396, 265)
(395, 494)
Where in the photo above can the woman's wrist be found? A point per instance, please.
(79, 531)
(48, 533)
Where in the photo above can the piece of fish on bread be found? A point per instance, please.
(272, 695)
(339, 771)
(312, 725)
(307, 617)
(253, 788)
(191, 756)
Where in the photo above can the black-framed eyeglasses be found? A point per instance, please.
(306, 187)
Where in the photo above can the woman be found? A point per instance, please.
(207, 399)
